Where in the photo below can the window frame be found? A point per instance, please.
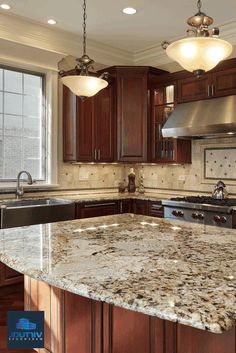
(49, 116)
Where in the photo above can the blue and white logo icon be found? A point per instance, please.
(25, 329)
(25, 324)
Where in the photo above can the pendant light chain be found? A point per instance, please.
(199, 5)
(84, 27)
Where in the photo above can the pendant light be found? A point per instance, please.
(202, 50)
(81, 82)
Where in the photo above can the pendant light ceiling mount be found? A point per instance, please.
(80, 81)
(202, 49)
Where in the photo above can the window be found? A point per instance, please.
(22, 124)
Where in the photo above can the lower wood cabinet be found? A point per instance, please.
(140, 207)
(155, 209)
(110, 207)
(9, 276)
(77, 324)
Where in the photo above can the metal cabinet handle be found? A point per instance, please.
(156, 207)
(212, 90)
(208, 91)
(95, 154)
(99, 154)
(100, 204)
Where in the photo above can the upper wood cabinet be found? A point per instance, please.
(132, 118)
(166, 150)
(193, 88)
(211, 85)
(132, 110)
(88, 127)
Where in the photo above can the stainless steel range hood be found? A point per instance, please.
(206, 118)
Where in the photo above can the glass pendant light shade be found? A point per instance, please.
(84, 86)
(199, 53)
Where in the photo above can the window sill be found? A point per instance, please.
(11, 187)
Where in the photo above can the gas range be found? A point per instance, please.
(201, 209)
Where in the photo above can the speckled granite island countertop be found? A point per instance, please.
(170, 269)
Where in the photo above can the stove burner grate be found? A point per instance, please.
(206, 200)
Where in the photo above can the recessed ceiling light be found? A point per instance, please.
(129, 11)
(51, 21)
(5, 6)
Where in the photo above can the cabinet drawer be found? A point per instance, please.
(156, 209)
(96, 209)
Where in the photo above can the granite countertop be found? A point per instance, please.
(97, 197)
(170, 269)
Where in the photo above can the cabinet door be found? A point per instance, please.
(132, 116)
(127, 331)
(224, 82)
(104, 120)
(191, 340)
(97, 209)
(69, 125)
(9, 276)
(140, 207)
(193, 88)
(85, 130)
(126, 206)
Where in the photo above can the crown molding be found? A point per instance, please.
(33, 34)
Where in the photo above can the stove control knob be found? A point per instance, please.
(201, 216)
(195, 215)
(217, 219)
(175, 213)
(223, 219)
(180, 214)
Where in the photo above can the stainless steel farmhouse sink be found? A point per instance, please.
(16, 213)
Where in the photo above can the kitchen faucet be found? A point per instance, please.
(19, 189)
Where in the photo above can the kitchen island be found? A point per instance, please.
(128, 284)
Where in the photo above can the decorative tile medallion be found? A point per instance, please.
(220, 163)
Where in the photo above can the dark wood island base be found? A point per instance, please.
(74, 324)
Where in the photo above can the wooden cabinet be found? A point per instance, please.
(211, 85)
(132, 119)
(193, 88)
(110, 207)
(96, 209)
(190, 340)
(126, 206)
(140, 207)
(166, 150)
(9, 276)
(224, 82)
(133, 110)
(155, 209)
(77, 324)
(88, 127)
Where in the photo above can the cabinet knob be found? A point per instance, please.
(217, 219)
(95, 154)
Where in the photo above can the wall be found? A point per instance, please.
(156, 177)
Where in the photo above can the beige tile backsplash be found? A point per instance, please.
(171, 177)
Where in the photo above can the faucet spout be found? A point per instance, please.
(19, 188)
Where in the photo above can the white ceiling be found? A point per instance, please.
(155, 21)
